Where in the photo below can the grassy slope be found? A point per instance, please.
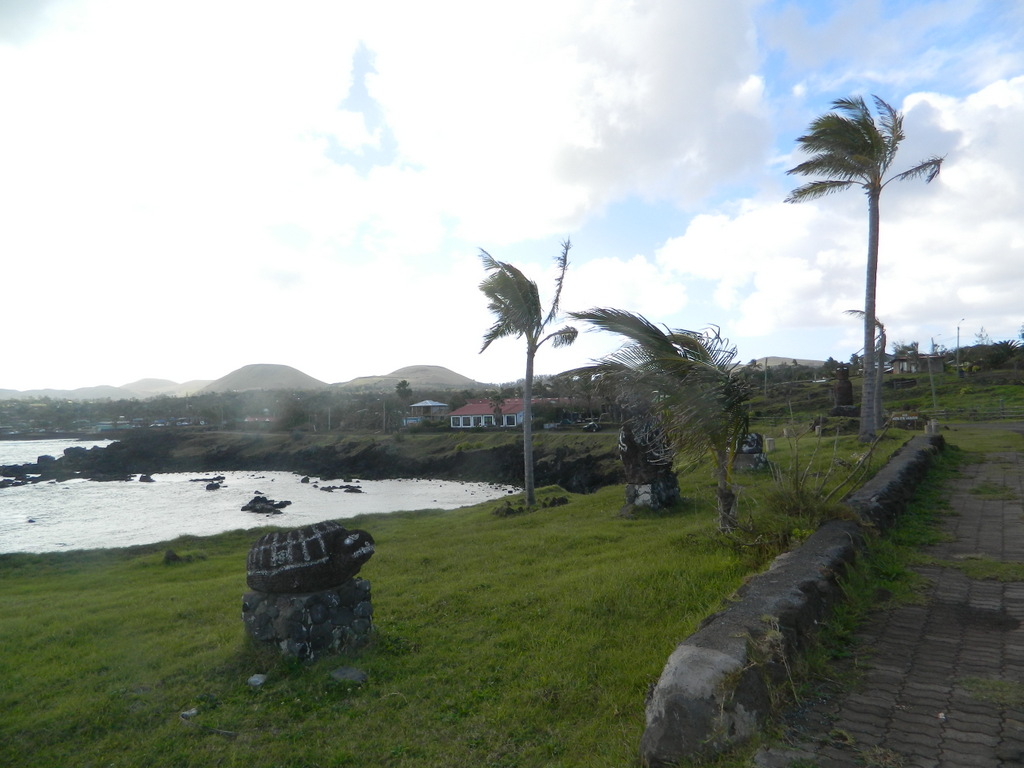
(528, 640)
(519, 641)
(979, 395)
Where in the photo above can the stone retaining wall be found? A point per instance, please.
(715, 689)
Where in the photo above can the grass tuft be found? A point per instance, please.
(1003, 693)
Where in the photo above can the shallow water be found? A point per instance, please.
(83, 514)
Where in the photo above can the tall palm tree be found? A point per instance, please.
(514, 301)
(691, 377)
(849, 148)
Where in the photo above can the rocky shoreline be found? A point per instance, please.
(580, 463)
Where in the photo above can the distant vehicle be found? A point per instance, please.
(159, 423)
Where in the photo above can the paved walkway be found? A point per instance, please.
(942, 682)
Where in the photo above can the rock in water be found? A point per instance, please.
(307, 559)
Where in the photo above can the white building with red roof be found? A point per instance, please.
(483, 413)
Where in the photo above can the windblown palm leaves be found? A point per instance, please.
(688, 375)
(514, 301)
(847, 147)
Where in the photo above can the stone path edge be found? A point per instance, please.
(715, 689)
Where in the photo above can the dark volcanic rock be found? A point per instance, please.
(308, 559)
(263, 505)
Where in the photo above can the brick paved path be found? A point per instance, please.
(943, 685)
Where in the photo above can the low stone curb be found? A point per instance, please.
(716, 688)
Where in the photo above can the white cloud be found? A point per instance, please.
(949, 249)
(275, 182)
(871, 47)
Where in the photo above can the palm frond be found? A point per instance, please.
(512, 298)
(834, 166)
(860, 313)
(686, 374)
(929, 169)
(848, 146)
(853, 106)
(563, 337)
(650, 340)
(815, 189)
(890, 118)
(891, 132)
(563, 264)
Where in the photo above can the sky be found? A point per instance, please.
(189, 187)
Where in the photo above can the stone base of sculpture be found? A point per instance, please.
(751, 461)
(657, 494)
(311, 624)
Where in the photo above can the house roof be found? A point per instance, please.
(486, 408)
(429, 404)
(509, 406)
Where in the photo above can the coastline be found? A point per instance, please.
(578, 462)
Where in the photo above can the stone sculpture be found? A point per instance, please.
(305, 596)
(842, 388)
(307, 559)
(751, 453)
(647, 458)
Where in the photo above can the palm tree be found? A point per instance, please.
(515, 303)
(497, 401)
(849, 148)
(692, 379)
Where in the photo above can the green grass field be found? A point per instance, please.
(528, 640)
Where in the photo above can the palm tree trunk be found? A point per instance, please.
(867, 402)
(879, 414)
(528, 482)
(727, 520)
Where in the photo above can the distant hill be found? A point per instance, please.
(101, 392)
(255, 377)
(418, 376)
(776, 361)
(145, 388)
(264, 376)
(155, 386)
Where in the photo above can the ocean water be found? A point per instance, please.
(82, 514)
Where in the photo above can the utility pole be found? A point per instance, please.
(959, 371)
